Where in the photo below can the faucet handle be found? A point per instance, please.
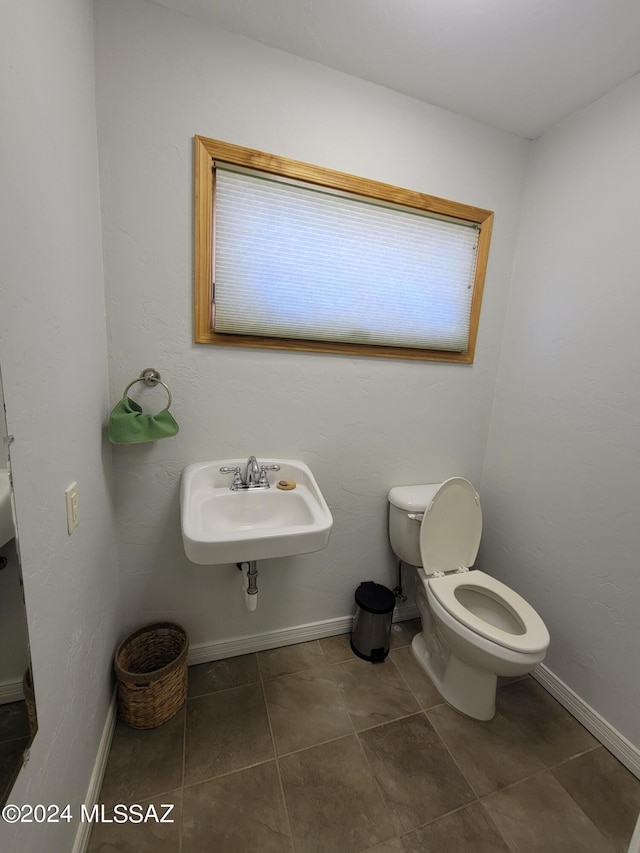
(235, 470)
(263, 473)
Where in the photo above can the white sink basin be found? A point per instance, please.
(7, 530)
(223, 526)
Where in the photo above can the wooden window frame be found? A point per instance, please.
(207, 151)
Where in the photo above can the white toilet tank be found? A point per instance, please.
(404, 532)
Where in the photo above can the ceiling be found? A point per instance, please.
(518, 65)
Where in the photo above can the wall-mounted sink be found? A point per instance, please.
(7, 529)
(224, 526)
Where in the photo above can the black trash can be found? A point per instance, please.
(372, 621)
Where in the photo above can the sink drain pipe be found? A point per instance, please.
(250, 583)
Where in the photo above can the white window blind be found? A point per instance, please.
(294, 260)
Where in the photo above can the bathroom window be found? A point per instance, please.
(290, 255)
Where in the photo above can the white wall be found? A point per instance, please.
(561, 486)
(362, 424)
(53, 354)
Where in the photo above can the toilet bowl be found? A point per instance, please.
(474, 627)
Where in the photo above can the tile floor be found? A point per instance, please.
(14, 739)
(308, 749)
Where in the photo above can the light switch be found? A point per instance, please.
(71, 497)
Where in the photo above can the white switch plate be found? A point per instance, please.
(71, 497)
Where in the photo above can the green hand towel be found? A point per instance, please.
(128, 425)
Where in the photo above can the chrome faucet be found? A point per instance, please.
(255, 476)
(252, 473)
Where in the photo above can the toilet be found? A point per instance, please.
(474, 628)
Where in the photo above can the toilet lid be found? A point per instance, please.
(451, 528)
(522, 627)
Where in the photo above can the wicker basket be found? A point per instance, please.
(30, 700)
(151, 668)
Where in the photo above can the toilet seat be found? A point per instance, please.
(451, 527)
(534, 637)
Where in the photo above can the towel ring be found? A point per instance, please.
(150, 377)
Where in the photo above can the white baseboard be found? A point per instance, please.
(617, 744)
(11, 691)
(205, 652)
(95, 783)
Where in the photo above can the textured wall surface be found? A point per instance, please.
(54, 368)
(561, 486)
(362, 425)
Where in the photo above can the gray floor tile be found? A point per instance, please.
(226, 731)
(551, 731)
(539, 816)
(392, 846)
(373, 693)
(14, 721)
(491, 754)
(337, 649)
(417, 776)
(606, 791)
(146, 837)
(223, 674)
(289, 659)
(584, 802)
(403, 632)
(421, 685)
(240, 813)
(469, 830)
(332, 799)
(11, 753)
(305, 709)
(144, 763)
